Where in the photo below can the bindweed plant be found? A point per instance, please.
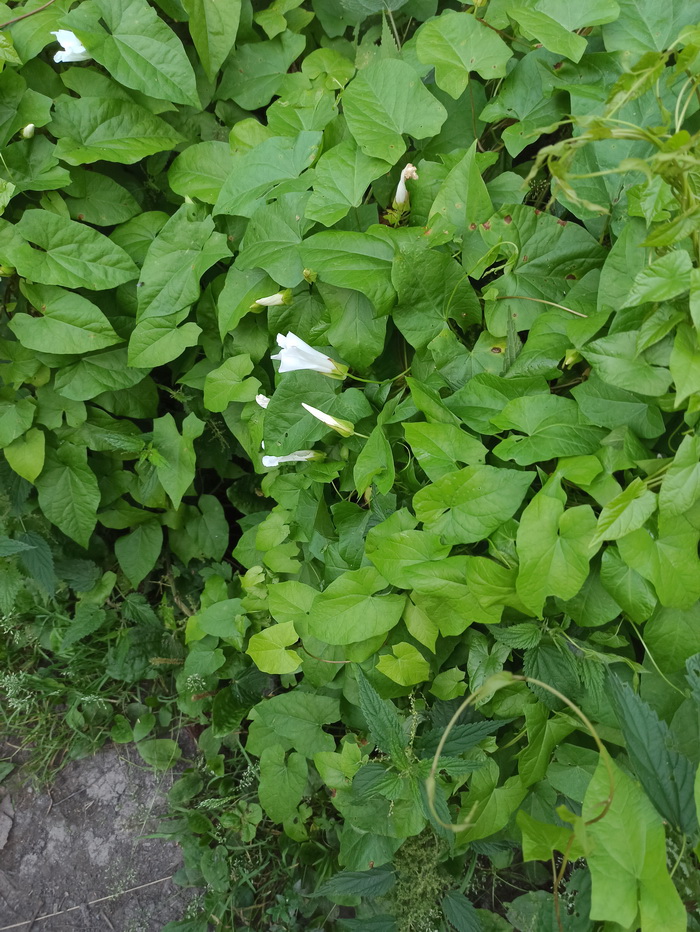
(355, 345)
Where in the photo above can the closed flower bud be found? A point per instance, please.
(28, 131)
(274, 300)
(262, 400)
(401, 199)
(344, 428)
(300, 456)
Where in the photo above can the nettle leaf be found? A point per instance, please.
(553, 427)
(666, 775)
(70, 323)
(457, 43)
(133, 43)
(92, 129)
(386, 100)
(349, 609)
(383, 721)
(554, 546)
(68, 492)
(468, 505)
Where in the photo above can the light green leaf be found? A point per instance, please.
(361, 261)
(468, 505)
(685, 362)
(349, 610)
(462, 199)
(627, 512)
(213, 26)
(228, 383)
(643, 26)
(133, 43)
(626, 855)
(634, 594)
(177, 451)
(256, 71)
(100, 372)
(680, 487)
(534, 24)
(70, 323)
(201, 170)
(405, 665)
(440, 447)
(159, 340)
(396, 555)
(92, 129)
(272, 239)
(138, 552)
(668, 559)
(68, 492)
(486, 395)
(554, 546)
(375, 464)
(457, 43)
(159, 753)
(386, 100)
(268, 649)
(25, 455)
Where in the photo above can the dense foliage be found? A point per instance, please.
(470, 235)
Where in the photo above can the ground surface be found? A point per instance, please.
(83, 841)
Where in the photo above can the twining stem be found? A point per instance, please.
(522, 297)
(10, 22)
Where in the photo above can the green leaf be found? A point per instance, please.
(138, 552)
(666, 775)
(375, 464)
(386, 100)
(534, 24)
(92, 129)
(440, 447)
(72, 254)
(468, 505)
(457, 43)
(616, 361)
(138, 50)
(176, 471)
(255, 174)
(15, 419)
(668, 559)
(554, 546)
(282, 782)
(383, 721)
(553, 427)
(201, 170)
(463, 199)
(680, 487)
(268, 649)
(98, 199)
(486, 395)
(256, 71)
(293, 720)
(159, 753)
(228, 383)
(612, 407)
(685, 362)
(70, 323)
(361, 261)
(432, 287)
(88, 618)
(405, 665)
(355, 330)
(349, 610)
(625, 513)
(460, 912)
(632, 592)
(626, 855)
(159, 340)
(68, 492)
(97, 373)
(666, 278)
(213, 27)
(372, 883)
(25, 455)
(272, 239)
(396, 555)
(643, 27)
(343, 175)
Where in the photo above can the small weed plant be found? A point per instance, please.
(349, 403)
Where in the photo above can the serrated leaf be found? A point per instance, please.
(382, 720)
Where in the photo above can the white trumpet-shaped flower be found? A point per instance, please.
(274, 300)
(262, 400)
(300, 456)
(401, 198)
(73, 48)
(344, 428)
(295, 354)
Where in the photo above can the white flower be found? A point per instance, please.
(262, 400)
(295, 354)
(73, 48)
(344, 428)
(28, 131)
(274, 300)
(300, 456)
(401, 197)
